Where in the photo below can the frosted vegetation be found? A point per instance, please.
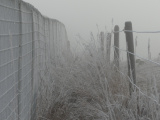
(91, 88)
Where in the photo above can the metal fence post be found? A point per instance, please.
(20, 61)
(130, 57)
(33, 60)
(116, 44)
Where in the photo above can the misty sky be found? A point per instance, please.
(82, 16)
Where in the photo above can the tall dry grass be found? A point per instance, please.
(90, 88)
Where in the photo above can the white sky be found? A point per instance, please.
(81, 17)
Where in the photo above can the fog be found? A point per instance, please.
(82, 17)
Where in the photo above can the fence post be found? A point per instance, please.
(135, 45)
(149, 52)
(116, 44)
(19, 63)
(108, 48)
(102, 42)
(130, 57)
(33, 62)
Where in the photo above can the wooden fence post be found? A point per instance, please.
(149, 52)
(116, 44)
(102, 42)
(108, 48)
(130, 57)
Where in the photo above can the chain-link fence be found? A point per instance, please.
(28, 43)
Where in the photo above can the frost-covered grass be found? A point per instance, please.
(92, 89)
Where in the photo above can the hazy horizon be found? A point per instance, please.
(83, 16)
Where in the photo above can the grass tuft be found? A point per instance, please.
(90, 88)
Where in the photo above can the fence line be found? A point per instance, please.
(28, 43)
(131, 81)
(129, 52)
(135, 31)
(137, 56)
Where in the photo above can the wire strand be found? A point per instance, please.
(135, 31)
(137, 56)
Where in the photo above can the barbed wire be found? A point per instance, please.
(131, 81)
(135, 31)
(137, 55)
(117, 31)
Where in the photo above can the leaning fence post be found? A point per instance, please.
(130, 57)
(116, 44)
